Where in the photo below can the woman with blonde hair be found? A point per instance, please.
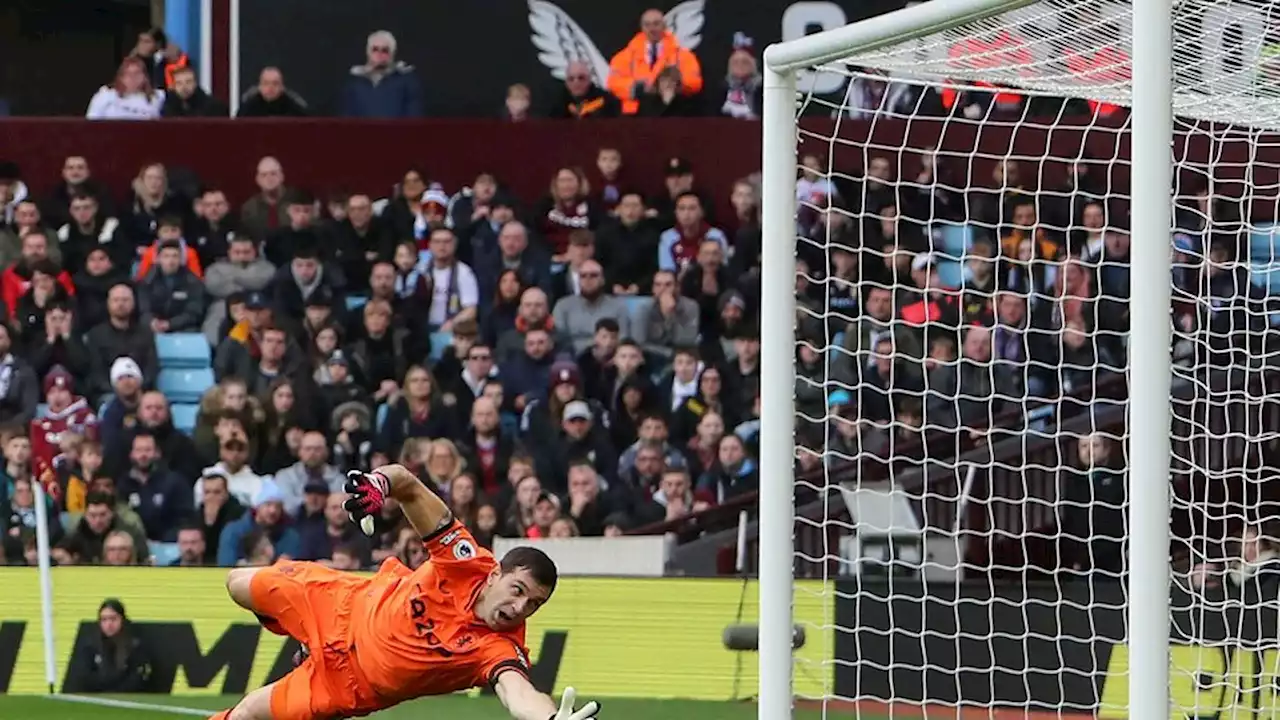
(443, 463)
(152, 199)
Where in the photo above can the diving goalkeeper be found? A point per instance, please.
(374, 641)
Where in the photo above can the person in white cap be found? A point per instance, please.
(582, 436)
(126, 381)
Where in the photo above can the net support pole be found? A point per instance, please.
(46, 587)
(1149, 361)
(233, 57)
(777, 404)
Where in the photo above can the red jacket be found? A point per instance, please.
(13, 285)
(46, 432)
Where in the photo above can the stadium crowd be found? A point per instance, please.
(189, 375)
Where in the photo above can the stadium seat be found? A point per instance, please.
(1264, 243)
(1264, 257)
(185, 386)
(184, 416)
(951, 273)
(163, 553)
(952, 240)
(355, 302)
(440, 341)
(183, 351)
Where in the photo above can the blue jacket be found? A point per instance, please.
(283, 537)
(398, 94)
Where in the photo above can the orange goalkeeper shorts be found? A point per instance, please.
(313, 604)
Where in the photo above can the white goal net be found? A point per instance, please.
(965, 360)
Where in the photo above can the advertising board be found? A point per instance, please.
(1048, 647)
(608, 637)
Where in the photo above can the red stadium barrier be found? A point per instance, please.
(368, 156)
(321, 155)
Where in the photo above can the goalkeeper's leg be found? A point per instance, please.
(254, 706)
(239, 587)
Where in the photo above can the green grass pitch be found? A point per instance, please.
(452, 707)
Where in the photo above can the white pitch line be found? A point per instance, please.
(127, 705)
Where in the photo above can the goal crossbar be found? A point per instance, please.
(1151, 130)
(892, 28)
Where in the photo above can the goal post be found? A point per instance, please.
(895, 43)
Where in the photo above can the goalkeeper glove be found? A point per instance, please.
(368, 493)
(566, 708)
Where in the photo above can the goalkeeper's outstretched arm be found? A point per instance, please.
(424, 509)
(524, 702)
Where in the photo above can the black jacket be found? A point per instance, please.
(348, 248)
(596, 103)
(91, 297)
(200, 104)
(69, 352)
(106, 343)
(99, 664)
(651, 105)
(290, 104)
(179, 298)
(629, 254)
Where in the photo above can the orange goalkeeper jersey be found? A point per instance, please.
(416, 632)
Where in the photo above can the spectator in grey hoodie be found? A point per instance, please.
(312, 468)
(669, 321)
(242, 271)
(577, 315)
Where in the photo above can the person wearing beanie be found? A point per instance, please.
(115, 658)
(66, 413)
(267, 516)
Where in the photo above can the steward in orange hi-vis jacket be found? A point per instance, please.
(636, 67)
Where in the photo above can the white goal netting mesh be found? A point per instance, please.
(963, 343)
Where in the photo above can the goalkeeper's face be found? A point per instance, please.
(510, 598)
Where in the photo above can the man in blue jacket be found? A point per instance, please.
(267, 515)
(382, 87)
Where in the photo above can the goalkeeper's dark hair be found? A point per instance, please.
(541, 567)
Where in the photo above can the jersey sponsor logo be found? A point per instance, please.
(464, 550)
